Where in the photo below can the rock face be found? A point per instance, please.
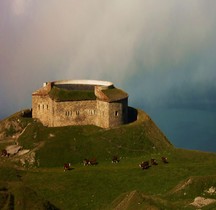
(12, 127)
(13, 149)
(200, 202)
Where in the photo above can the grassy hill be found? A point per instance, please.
(36, 180)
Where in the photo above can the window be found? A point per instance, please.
(92, 112)
(77, 112)
(116, 113)
(68, 113)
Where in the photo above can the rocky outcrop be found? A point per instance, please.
(12, 127)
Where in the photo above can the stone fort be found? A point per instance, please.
(80, 102)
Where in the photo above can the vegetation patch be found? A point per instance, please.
(115, 93)
(14, 125)
(60, 94)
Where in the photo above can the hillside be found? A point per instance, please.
(187, 181)
(74, 143)
(11, 127)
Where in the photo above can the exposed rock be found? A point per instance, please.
(51, 135)
(29, 160)
(13, 126)
(13, 149)
(211, 190)
(199, 202)
(23, 152)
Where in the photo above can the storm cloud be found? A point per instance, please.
(161, 53)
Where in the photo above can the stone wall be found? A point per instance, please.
(74, 113)
(42, 109)
(97, 112)
(118, 112)
(102, 114)
(93, 112)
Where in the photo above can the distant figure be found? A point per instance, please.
(67, 166)
(85, 162)
(90, 162)
(144, 165)
(115, 159)
(154, 162)
(164, 159)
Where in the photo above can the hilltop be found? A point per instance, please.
(188, 181)
(74, 143)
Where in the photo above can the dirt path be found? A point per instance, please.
(9, 140)
(14, 138)
(126, 201)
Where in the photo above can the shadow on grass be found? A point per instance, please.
(27, 113)
(132, 114)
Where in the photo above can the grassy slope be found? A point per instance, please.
(98, 186)
(74, 143)
(107, 185)
(14, 124)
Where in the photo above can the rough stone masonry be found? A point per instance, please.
(80, 102)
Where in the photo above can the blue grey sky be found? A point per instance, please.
(161, 52)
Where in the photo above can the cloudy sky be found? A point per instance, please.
(161, 52)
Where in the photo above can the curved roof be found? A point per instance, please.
(77, 90)
(84, 82)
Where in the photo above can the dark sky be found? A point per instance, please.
(161, 52)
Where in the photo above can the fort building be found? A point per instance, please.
(80, 102)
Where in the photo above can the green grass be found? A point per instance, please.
(106, 185)
(34, 134)
(115, 94)
(74, 143)
(60, 94)
(15, 123)
(96, 187)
